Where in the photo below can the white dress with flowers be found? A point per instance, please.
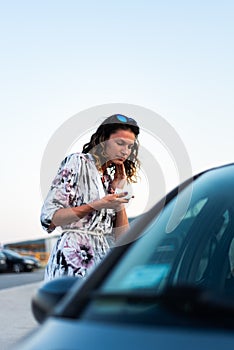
(85, 242)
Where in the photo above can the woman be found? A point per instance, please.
(87, 200)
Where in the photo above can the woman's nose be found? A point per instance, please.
(124, 152)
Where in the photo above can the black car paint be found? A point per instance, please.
(16, 262)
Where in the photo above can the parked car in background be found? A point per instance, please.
(3, 263)
(16, 262)
(36, 262)
(168, 284)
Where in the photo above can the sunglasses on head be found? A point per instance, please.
(123, 119)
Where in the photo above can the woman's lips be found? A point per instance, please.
(120, 158)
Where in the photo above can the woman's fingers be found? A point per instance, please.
(111, 201)
(121, 194)
(124, 197)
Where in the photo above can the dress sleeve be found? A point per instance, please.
(62, 190)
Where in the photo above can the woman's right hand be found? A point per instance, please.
(65, 216)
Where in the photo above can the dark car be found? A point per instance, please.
(168, 284)
(3, 263)
(36, 262)
(16, 262)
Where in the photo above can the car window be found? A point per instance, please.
(149, 263)
(195, 251)
(12, 253)
(2, 256)
(198, 251)
(212, 243)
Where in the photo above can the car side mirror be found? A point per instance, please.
(49, 295)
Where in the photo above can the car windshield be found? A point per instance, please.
(12, 253)
(198, 250)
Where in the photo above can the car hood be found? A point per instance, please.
(64, 334)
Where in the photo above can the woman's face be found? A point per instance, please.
(119, 145)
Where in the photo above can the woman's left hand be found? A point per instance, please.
(120, 177)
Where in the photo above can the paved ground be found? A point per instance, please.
(16, 319)
(9, 280)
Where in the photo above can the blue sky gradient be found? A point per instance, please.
(59, 58)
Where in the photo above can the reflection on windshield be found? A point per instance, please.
(198, 253)
(200, 250)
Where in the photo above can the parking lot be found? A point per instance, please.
(16, 318)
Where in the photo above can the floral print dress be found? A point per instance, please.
(85, 242)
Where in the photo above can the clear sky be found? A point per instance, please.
(61, 57)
